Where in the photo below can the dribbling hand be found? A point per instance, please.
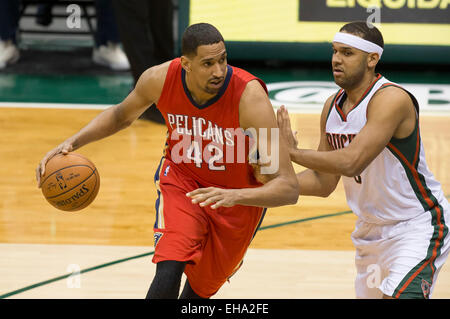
(63, 148)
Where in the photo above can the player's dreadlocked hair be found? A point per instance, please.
(199, 34)
(361, 29)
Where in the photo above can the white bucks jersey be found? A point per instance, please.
(397, 184)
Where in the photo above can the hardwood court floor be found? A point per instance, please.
(123, 213)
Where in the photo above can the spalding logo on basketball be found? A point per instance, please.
(71, 182)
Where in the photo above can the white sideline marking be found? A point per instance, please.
(54, 105)
(292, 109)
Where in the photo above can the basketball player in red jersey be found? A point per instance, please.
(210, 203)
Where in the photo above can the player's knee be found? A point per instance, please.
(169, 272)
(167, 280)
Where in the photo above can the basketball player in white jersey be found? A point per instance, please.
(370, 136)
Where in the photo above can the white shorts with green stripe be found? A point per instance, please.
(403, 259)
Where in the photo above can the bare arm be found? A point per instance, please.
(115, 118)
(256, 112)
(311, 182)
(390, 113)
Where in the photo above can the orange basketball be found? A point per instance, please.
(70, 182)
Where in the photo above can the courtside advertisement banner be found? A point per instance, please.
(318, 20)
(422, 24)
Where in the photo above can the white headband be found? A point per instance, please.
(358, 43)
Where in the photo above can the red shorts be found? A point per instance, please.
(212, 241)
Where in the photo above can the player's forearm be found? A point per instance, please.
(333, 162)
(313, 183)
(277, 192)
(103, 125)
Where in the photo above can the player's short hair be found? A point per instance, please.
(199, 34)
(361, 29)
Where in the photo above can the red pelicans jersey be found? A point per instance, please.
(205, 141)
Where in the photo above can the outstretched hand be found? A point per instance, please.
(216, 197)
(284, 124)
